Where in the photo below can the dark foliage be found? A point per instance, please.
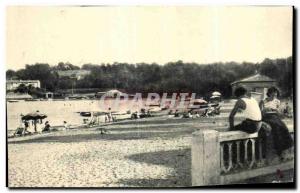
(171, 77)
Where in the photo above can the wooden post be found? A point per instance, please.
(206, 169)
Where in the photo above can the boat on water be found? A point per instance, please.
(12, 101)
(85, 114)
(76, 97)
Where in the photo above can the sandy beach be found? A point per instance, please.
(129, 155)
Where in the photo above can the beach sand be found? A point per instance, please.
(153, 152)
(127, 156)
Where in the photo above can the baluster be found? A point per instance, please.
(253, 153)
(246, 152)
(235, 164)
(229, 161)
(260, 153)
(222, 157)
(229, 156)
(238, 154)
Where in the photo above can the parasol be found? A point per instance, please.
(216, 93)
(199, 101)
(34, 116)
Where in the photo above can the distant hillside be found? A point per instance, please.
(171, 77)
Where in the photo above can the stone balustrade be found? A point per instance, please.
(228, 157)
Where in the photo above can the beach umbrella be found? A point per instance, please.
(200, 101)
(34, 116)
(216, 93)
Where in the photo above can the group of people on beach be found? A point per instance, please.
(46, 128)
(263, 117)
(212, 109)
(25, 130)
(142, 114)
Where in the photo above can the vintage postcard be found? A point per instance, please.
(149, 96)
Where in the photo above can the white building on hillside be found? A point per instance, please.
(77, 74)
(13, 84)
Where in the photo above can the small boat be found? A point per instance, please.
(154, 105)
(85, 114)
(12, 101)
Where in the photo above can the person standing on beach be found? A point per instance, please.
(34, 124)
(66, 126)
(105, 118)
(109, 115)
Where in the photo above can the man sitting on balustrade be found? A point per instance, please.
(251, 111)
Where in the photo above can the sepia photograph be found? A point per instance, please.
(149, 96)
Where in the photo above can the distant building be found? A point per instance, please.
(257, 84)
(13, 84)
(48, 95)
(17, 96)
(77, 74)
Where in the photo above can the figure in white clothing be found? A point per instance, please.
(250, 109)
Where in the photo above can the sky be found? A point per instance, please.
(108, 34)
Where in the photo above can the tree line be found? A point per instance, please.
(171, 77)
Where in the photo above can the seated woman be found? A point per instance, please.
(282, 140)
(47, 127)
(176, 114)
